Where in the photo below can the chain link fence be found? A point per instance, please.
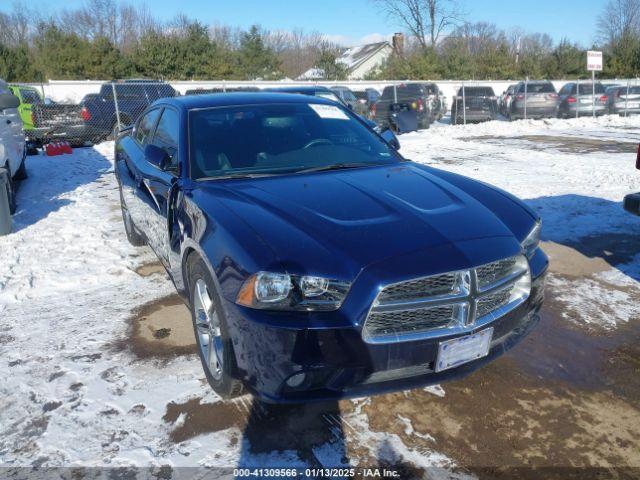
(402, 106)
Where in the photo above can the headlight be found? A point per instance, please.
(280, 291)
(530, 243)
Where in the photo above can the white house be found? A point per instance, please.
(364, 59)
(359, 61)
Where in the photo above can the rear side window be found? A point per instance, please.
(166, 135)
(30, 96)
(146, 125)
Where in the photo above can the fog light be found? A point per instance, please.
(296, 380)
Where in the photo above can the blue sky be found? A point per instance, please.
(353, 21)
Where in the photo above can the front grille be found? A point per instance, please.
(423, 287)
(417, 320)
(493, 272)
(493, 301)
(440, 304)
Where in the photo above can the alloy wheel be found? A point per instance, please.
(208, 328)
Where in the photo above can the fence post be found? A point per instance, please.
(115, 102)
(577, 96)
(526, 85)
(464, 105)
(626, 100)
(593, 93)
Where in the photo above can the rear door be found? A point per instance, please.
(131, 164)
(157, 185)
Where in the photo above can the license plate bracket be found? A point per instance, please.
(461, 350)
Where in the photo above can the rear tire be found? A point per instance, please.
(215, 347)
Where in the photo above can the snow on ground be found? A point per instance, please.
(68, 285)
(570, 172)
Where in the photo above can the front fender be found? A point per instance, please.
(230, 249)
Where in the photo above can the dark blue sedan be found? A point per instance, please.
(318, 262)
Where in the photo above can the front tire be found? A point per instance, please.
(21, 174)
(11, 193)
(215, 348)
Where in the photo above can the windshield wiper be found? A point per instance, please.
(238, 175)
(336, 166)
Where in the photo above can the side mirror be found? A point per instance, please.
(157, 156)
(391, 139)
(8, 100)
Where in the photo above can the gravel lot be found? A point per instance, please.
(98, 364)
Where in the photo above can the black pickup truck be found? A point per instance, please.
(132, 98)
(403, 108)
(474, 104)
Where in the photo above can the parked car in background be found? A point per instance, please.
(582, 100)
(400, 99)
(479, 104)
(367, 97)
(132, 96)
(623, 100)
(504, 102)
(46, 121)
(316, 261)
(13, 149)
(350, 100)
(539, 98)
(437, 101)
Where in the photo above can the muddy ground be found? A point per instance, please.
(565, 403)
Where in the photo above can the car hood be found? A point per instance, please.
(336, 223)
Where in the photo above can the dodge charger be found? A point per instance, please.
(317, 262)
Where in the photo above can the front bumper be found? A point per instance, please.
(338, 363)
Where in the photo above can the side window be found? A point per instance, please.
(145, 126)
(166, 136)
(30, 97)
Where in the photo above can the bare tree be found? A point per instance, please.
(618, 20)
(426, 20)
(296, 50)
(17, 26)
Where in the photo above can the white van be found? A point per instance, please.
(12, 143)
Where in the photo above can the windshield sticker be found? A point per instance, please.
(328, 111)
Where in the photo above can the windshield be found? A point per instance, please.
(545, 87)
(477, 92)
(280, 139)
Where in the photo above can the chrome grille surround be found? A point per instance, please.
(447, 303)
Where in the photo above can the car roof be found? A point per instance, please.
(193, 102)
